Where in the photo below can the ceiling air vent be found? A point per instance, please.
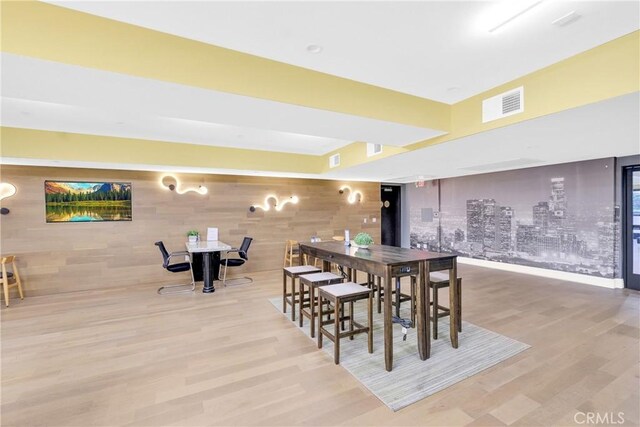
(503, 105)
(334, 161)
(373, 149)
(511, 103)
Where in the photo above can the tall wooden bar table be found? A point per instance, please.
(391, 262)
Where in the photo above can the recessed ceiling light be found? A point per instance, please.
(453, 88)
(314, 48)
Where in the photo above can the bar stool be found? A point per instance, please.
(308, 309)
(397, 297)
(338, 295)
(291, 253)
(10, 279)
(439, 280)
(292, 298)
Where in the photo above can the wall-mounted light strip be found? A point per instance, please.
(354, 195)
(6, 190)
(201, 189)
(277, 205)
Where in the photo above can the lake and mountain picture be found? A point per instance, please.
(87, 201)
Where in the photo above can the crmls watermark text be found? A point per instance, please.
(595, 418)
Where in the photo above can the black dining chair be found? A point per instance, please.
(175, 268)
(242, 252)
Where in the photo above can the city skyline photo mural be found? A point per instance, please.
(559, 217)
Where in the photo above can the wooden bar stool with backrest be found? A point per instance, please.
(339, 295)
(437, 281)
(294, 297)
(291, 253)
(10, 279)
(308, 307)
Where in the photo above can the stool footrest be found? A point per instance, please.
(331, 320)
(346, 334)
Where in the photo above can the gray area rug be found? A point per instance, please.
(413, 379)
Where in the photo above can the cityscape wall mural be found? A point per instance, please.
(560, 217)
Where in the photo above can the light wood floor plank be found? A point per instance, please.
(128, 357)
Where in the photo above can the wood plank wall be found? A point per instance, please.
(64, 257)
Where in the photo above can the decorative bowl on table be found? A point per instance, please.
(355, 245)
(362, 240)
(193, 236)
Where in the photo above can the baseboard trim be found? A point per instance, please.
(543, 272)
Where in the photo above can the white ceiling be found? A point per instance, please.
(440, 50)
(605, 129)
(46, 95)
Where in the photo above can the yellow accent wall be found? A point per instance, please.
(356, 153)
(58, 34)
(45, 145)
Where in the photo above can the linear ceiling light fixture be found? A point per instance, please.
(506, 12)
(354, 195)
(201, 189)
(277, 205)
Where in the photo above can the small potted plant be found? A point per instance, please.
(363, 240)
(193, 236)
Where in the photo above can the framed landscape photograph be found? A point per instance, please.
(69, 201)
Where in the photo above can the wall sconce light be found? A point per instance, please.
(277, 205)
(201, 189)
(354, 195)
(6, 190)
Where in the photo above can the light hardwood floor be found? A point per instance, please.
(131, 357)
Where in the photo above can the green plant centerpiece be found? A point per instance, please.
(363, 240)
(193, 235)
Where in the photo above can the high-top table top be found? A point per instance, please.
(376, 258)
(207, 246)
(387, 255)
